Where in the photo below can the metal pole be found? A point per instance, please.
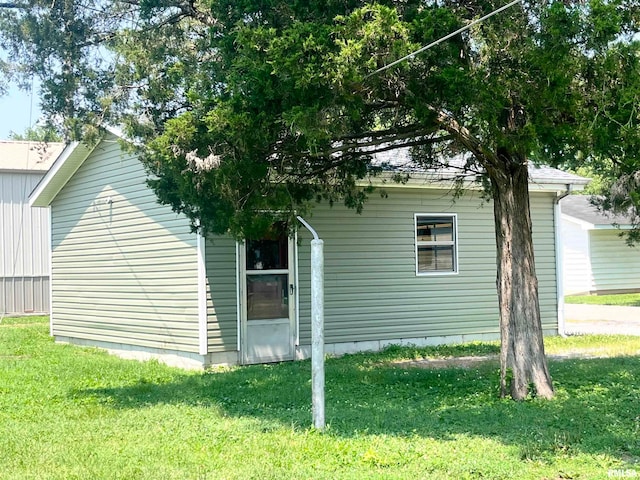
(317, 328)
(317, 332)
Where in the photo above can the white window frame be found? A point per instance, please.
(454, 242)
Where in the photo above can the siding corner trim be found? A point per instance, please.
(203, 341)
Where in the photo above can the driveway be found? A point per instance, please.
(603, 319)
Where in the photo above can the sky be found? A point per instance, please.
(17, 112)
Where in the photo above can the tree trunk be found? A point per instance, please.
(522, 348)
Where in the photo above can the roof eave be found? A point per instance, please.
(610, 226)
(557, 185)
(445, 181)
(23, 170)
(67, 163)
(586, 225)
(416, 180)
(583, 224)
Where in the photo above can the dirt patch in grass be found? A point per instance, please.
(473, 361)
(449, 362)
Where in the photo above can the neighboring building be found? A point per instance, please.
(24, 232)
(596, 258)
(416, 267)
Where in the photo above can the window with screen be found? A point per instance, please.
(436, 244)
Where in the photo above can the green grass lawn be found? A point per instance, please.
(76, 413)
(624, 299)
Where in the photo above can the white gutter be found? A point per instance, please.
(557, 224)
(421, 180)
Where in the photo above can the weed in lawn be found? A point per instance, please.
(396, 352)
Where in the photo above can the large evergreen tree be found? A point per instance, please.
(245, 107)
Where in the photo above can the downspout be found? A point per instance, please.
(557, 224)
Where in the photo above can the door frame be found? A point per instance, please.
(241, 286)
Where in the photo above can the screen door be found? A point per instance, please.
(267, 294)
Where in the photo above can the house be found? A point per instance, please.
(24, 232)
(414, 268)
(596, 259)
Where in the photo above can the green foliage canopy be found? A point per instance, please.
(249, 107)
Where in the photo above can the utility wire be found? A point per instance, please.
(440, 40)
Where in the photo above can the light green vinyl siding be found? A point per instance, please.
(222, 309)
(372, 291)
(544, 243)
(614, 265)
(122, 272)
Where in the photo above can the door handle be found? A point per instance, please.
(291, 289)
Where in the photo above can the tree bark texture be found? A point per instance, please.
(522, 347)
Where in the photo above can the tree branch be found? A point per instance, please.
(388, 139)
(390, 131)
(187, 8)
(102, 38)
(14, 5)
(487, 158)
(336, 161)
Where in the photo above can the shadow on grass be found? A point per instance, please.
(597, 409)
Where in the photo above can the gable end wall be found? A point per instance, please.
(124, 268)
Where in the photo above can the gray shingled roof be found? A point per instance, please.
(400, 161)
(580, 207)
